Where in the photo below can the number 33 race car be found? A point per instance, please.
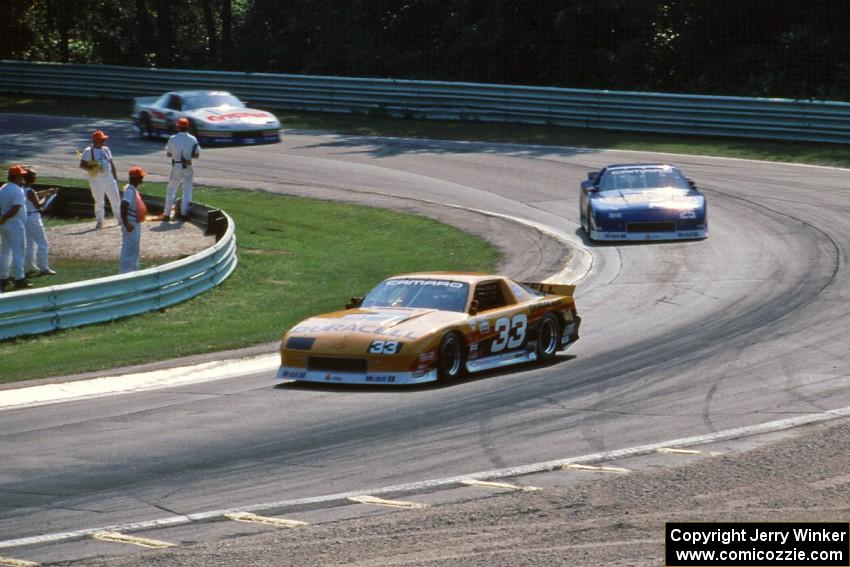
(423, 327)
(214, 117)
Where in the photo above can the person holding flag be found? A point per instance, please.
(96, 160)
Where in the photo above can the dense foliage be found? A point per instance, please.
(787, 48)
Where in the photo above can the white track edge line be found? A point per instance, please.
(179, 520)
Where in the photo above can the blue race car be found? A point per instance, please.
(642, 202)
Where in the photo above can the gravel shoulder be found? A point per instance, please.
(159, 240)
(615, 520)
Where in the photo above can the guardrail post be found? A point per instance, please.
(216, 224)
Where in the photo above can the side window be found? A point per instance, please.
(174, 103)
(489, 296)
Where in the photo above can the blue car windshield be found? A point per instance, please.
(624, 179)
(444, 295)
(195, 102)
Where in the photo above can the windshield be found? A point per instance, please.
(638, 178)
(444, 295)
(210, 100)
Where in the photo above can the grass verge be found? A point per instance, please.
(297, 257)
(837, 155)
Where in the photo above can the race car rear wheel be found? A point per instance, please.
(548, 337)
(450, 358)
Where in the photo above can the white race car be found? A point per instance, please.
(214, 117)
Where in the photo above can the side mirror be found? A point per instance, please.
(355, 302)
(691, 183)
(591, 175)
(473, 307)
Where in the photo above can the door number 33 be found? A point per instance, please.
(511, 332)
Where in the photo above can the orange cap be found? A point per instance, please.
(17, 170)
(137, 171)
(182, 122)
(99, 135)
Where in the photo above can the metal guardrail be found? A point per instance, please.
(762, 118)
(104, 299)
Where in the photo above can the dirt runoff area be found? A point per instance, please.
(615, 519)
(159, 240)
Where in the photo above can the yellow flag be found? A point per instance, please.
(92, 166)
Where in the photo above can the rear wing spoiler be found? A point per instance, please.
(552, 289)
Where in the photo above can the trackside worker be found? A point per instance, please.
(133, 211)
(96, 160)
(182, 148)
(37, 246)
(13, 229)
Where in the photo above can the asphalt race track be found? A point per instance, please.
(678, 339)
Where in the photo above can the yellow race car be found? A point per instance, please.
(431, 326)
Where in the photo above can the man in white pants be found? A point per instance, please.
(131, 228)
(182, 148)
(37, 246)
(13, 229)
(96, 160)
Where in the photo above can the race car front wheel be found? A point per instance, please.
(547, 337)
(589, 228)
(450, 358)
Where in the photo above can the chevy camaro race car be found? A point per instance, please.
(423, 327)
(214, 117)
(641, 202)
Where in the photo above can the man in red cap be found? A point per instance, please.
(132, 211)
(181, 148)
(13, 229)
(96, 160)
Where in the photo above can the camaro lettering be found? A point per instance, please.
(234, 116)
(436, 283)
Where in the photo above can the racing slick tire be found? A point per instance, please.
(450, 358)
(589, 228)
(548, 337)
(145, 126)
